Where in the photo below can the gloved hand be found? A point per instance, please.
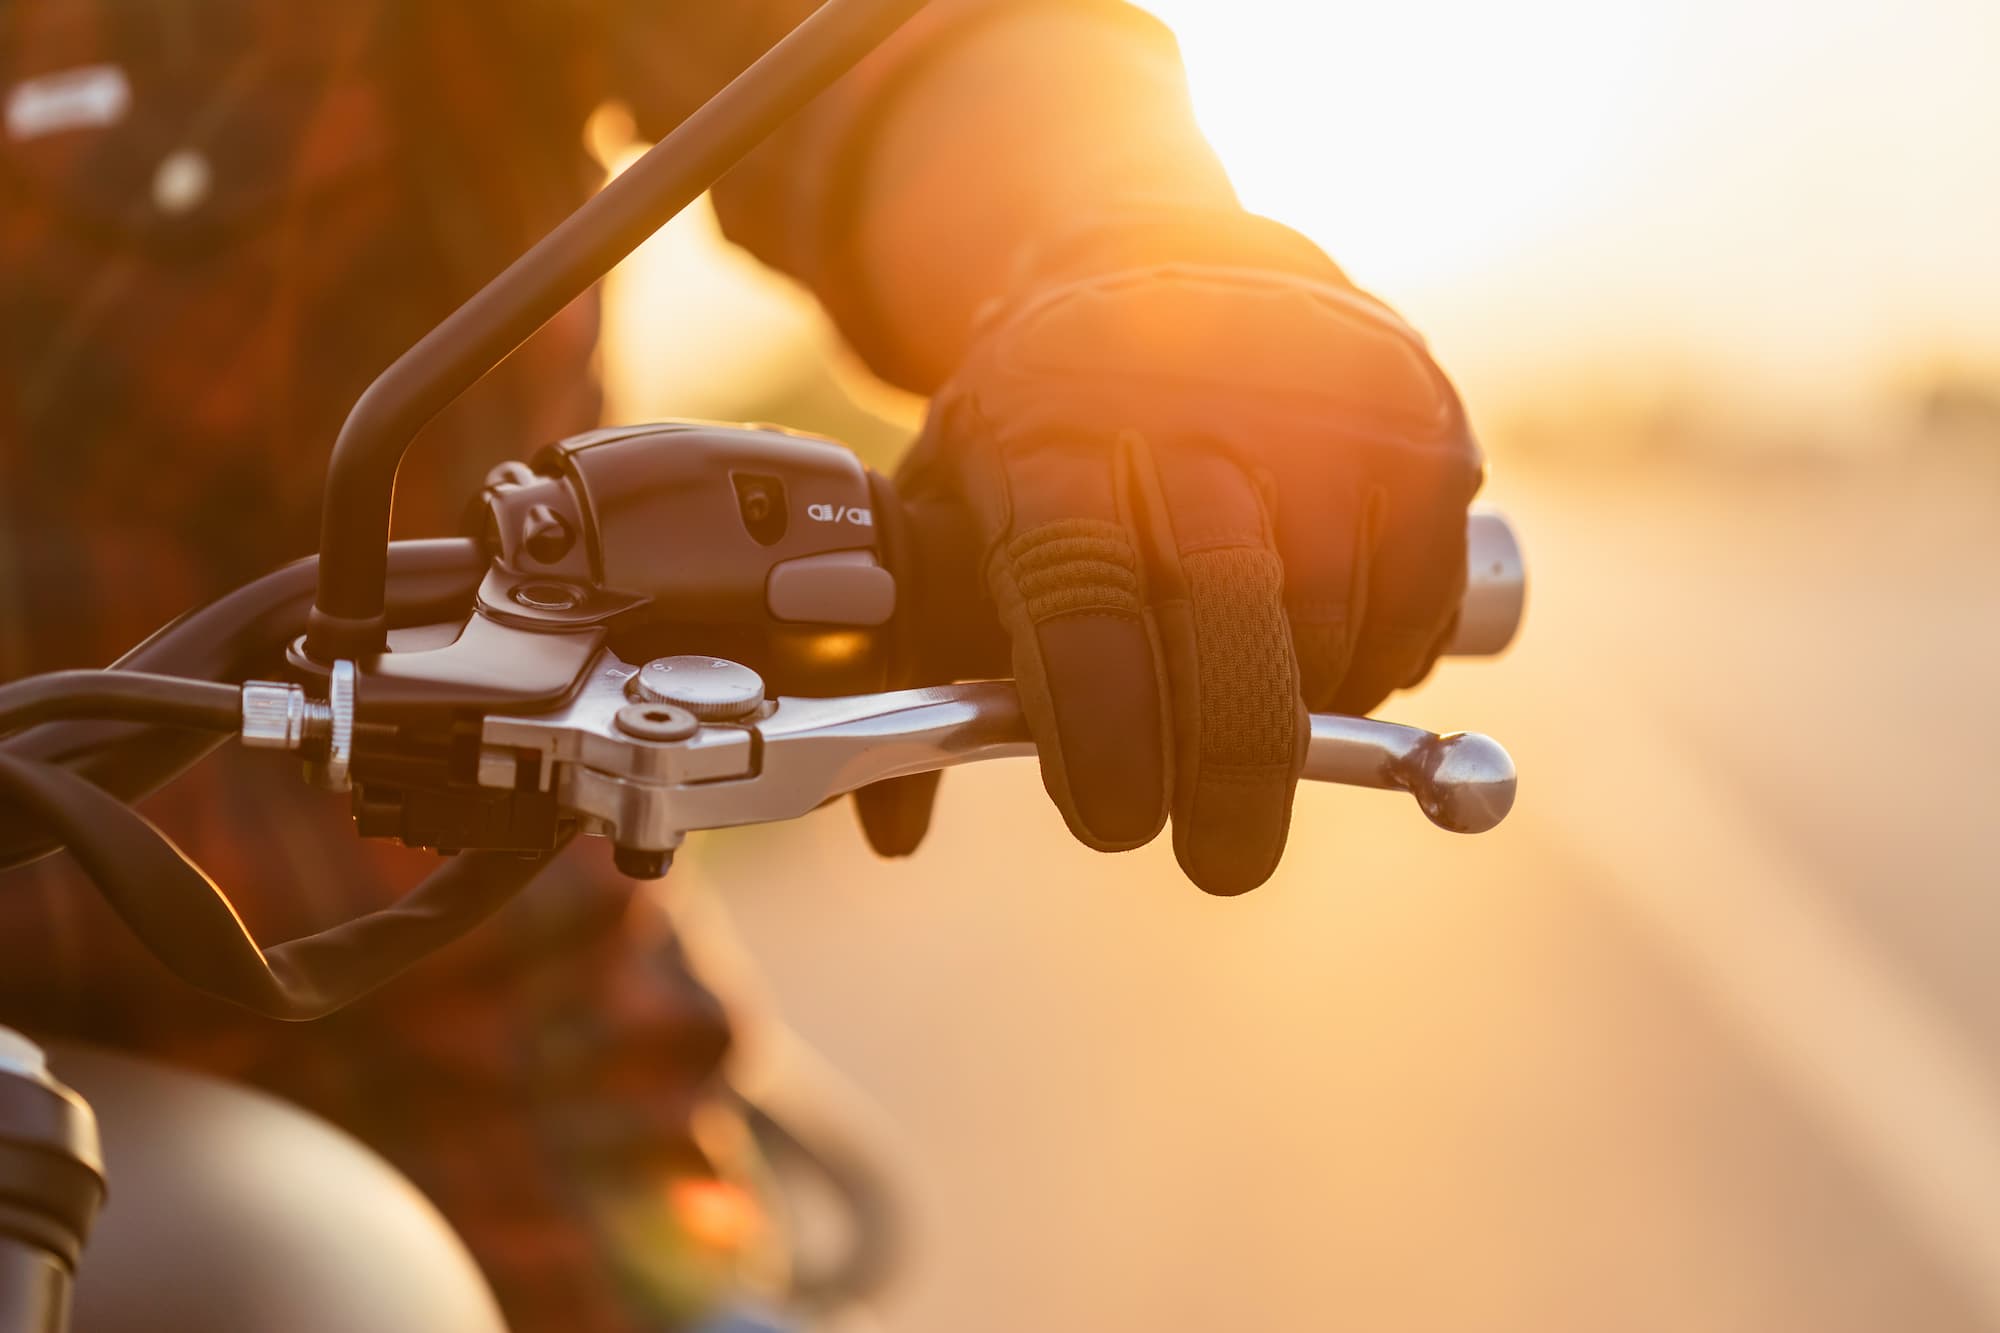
(1216, 486)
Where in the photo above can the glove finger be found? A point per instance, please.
(1327, 537)
(895, 815)
(1239, 720)
(1416, 580)
(1070, 590)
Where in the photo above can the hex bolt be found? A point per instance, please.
(550, 596)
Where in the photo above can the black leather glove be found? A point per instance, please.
(1214, 486)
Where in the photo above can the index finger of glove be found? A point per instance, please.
(1239, 720)
(1069, 585)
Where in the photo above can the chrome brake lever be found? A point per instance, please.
(646, 757)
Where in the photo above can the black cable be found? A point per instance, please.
(120, 696)
(179, 914)
(238, 636)
(167, 901)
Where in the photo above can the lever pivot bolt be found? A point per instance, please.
(656, 722)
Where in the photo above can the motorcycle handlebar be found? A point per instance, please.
(1496, 588)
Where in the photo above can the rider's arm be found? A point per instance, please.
(903, 197)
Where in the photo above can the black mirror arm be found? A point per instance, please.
(347, 617)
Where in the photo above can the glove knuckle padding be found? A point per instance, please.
(1185, 349)
(1074, 565)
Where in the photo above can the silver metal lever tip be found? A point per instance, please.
(1465, 782)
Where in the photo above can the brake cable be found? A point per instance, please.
(240, 635)
(120, 696)
(187, 922)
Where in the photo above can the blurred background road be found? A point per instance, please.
(1708, 1035)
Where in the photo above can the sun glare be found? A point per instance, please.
(1551, 187)
(1418, 141)
(1791, 195)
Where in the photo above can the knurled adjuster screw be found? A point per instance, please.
(279, 716)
